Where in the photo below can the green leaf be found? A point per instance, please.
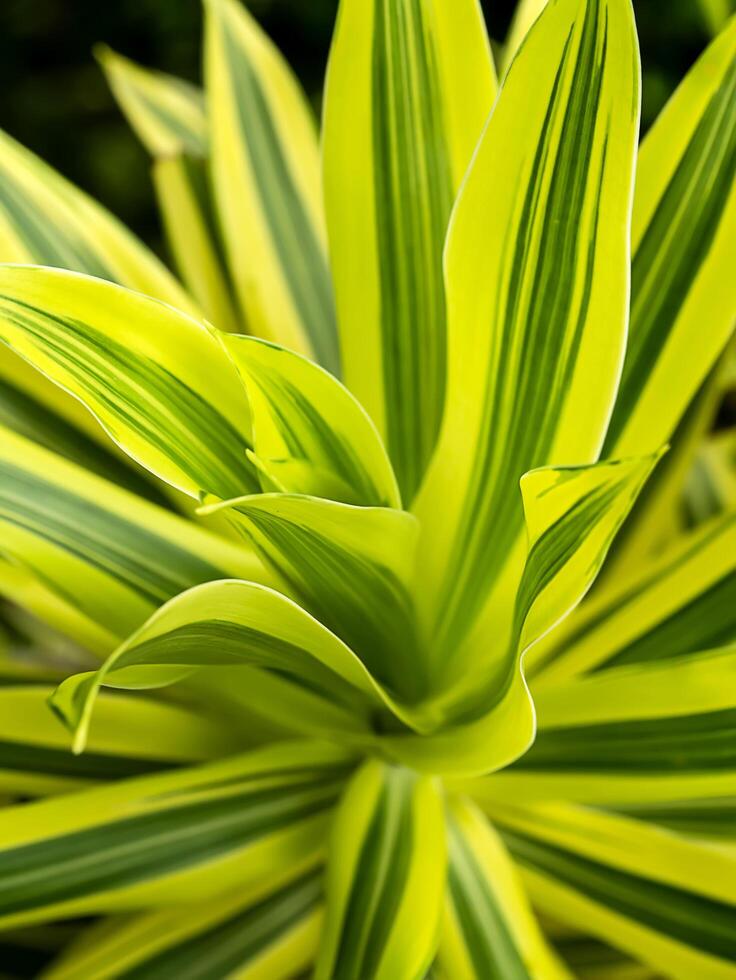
(226, 623)
(381, 887)
(183, 193)
(537, 272)
(272, 937)
(683, 239)
(157, 380)
(266, 170)
(105, 554)
(525, 14)
(46, 220)
(408, 88)
(665, 899)
(351, 567)
(169, 839)
(131, 736)
(682, 602)
(310, 435)
(572, 517)
(166, 113)
(654, 732)
(31, 418)
(489, 929)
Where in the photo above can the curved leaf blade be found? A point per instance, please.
(409, 86)
(310, 435)
(537, 268)
(265, 162)
(157, 381)
(683, 238)
(380, 886)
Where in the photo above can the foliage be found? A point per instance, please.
(320, 507)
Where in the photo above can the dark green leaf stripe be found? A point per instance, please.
(48, 243)
(301, 424)
(712, 818)
(548, 556)
(378, 881)
(698, 742)
(28, 417)
(218, 951)
(292, 233)
(48, 761)
(708, 620)
(492, 950)
(218, 642)
(364, 604)
(685, 917)
(143, 395)
(413, 193)
(544, 317)
(676, 244)
(153, 567)
(150, 845)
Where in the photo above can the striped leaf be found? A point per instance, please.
(489, 931)
(131, 736)
(655, 732)
(680, 603)
(537, 274)
(171, 838)
(168, 116)
(572, 517)
(660, 516)
(310, 435)
(664, 899)
(272, 938)
(221, 624)
(683, 239)
(166, 113)
(157, 381)
(22, 587)
(46, 220)
(266, 170)
(351, 567)
(106, 556)
(381, 887)
(409, 86)
(29, 417)
(193, 233)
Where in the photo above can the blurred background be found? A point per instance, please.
(55, 100)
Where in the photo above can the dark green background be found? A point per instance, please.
(55, 100)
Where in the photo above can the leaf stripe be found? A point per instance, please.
(365, 604)
(493, 951)
(148, 846)
(220, 950)
(413, 195)
(302, 260)
(540, 304)
(30, 418)
(152, 566)
(698, 742)
(49, 761)
(707, 620)
(378, 881)
(42, 236)
(676, 243)
(144, 396)
(701, 922)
